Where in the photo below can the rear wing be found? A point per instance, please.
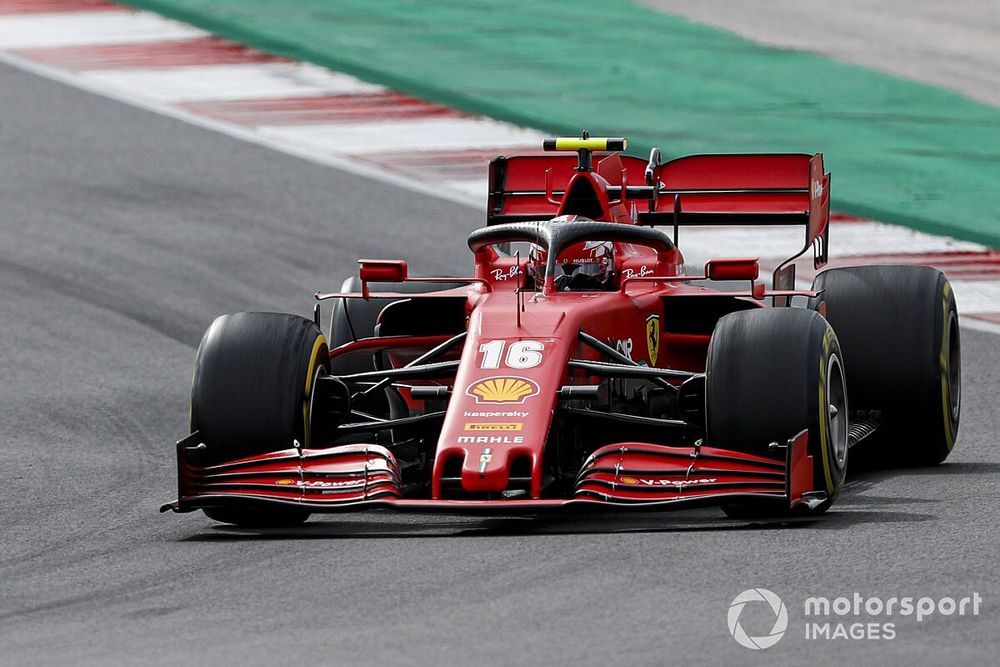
(761, 189)
(778, 189)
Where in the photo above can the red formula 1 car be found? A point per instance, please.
(579, 366)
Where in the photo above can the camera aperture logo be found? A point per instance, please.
(757, 595)
(855, 617)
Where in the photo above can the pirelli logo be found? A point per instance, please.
(494, 426)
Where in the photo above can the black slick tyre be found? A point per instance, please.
(351, 319)
(770, 374)
(253, 379)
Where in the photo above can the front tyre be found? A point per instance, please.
(770, 374)
(253, 380)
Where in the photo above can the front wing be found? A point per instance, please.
(624, 476)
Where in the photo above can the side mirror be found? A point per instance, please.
(380, 271)
(732, 269)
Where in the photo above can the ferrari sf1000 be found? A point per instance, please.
(580, 366)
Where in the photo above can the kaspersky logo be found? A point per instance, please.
(753, 596)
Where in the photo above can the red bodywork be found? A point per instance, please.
(506, 406)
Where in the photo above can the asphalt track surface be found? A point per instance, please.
(123, 233)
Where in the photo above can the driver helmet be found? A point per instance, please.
(581, 266)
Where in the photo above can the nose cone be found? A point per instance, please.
(487, 462)
(503, 399)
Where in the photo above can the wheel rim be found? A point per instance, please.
(954, 371)
(307, 406)
(836, 393)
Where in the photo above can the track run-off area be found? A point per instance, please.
(128, 222)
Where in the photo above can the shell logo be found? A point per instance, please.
(502, 390)
(628, 480)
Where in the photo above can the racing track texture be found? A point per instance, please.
(122, 234)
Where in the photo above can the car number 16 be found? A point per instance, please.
(521, 354)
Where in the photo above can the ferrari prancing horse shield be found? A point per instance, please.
(653, 338)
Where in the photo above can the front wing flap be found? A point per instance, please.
(621, 476)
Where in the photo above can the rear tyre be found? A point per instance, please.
(253, 379)
(770, 374)
(351, 319)
(898, 327)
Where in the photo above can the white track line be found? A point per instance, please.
(21, 31)
(977, 325)
(231, 82)
(477, 189)
(411, 135)
(977, 296)
(848, 239)
(867, 238)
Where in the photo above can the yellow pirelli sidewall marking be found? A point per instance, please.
(949, 434)
(824, 410)
(310, 372)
